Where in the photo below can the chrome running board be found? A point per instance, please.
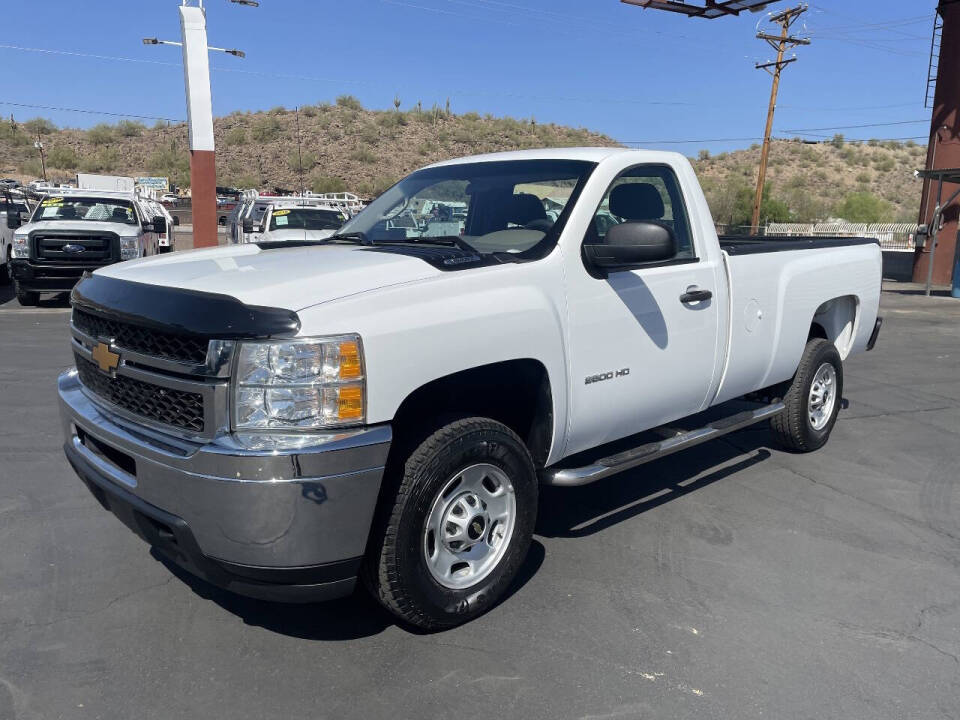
(651, 451)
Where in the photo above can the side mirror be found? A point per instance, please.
(147, 227)
(159, 223)
(248, 225)
(632, 244)
(176, 219)
(13, 220)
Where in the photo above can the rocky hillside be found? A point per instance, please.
(347, 147)
(866, 182)
(343, 146)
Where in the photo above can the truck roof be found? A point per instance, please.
(591, 154)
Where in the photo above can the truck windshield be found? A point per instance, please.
(513, 206)
(80, 208)
(305, 219)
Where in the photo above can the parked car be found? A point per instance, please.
(386, 407)
(170, 199)
(73, 232)
(9, 183)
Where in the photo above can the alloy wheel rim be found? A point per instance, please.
(470, 526)
(823, 396)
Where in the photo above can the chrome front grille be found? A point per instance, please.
(152, 402)
(165, 380)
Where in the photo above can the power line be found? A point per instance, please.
(853, 127)
(89, 112)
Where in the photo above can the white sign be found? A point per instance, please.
(154, 183)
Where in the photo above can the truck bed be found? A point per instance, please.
(751, 244)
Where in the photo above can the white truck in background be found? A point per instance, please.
(283, 420)
(92, 181)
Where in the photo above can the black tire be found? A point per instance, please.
(396, 569)
(27, 298)
(793, 428)
(6, 271)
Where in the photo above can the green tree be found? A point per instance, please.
(266, 129)
(865, 207)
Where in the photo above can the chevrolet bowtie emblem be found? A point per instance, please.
(108, 361)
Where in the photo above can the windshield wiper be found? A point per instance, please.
(357, 236)
(450, 240)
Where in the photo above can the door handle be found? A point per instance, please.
(693, 295)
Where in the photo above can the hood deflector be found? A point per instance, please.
(210, 315)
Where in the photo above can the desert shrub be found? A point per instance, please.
(308, 111)
(703, 155)
(104, 160)
(30, 167)
(277, 110)
(63, 157)
(39, 125)
(324, 184)
(266, 129)
(235, 137)
(101, 134)
(885, 165)
(160, 125)
(863, 177)
(171, 162)
(349, 102)
(130, 128)
(294, 159)
(364, 156)
(838, 140)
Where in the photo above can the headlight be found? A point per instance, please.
(129, 248)
(20, 247)
(299, 384)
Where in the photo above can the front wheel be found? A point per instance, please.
(812, 399)
(6, 271)
(27, 298)
(456, 532)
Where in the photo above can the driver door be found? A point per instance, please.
(640, 355)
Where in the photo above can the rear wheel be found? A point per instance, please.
(453, 537)
(812, 399)
(27, 297)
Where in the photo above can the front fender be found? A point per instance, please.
(425, 330)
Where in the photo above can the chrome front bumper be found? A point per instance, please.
(285, 525)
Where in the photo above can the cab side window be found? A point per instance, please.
(648, 193)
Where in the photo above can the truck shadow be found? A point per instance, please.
(349, 618)
(581, 511)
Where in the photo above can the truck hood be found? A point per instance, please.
(86, 226)
(291, 278)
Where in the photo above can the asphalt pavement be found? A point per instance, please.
(732, 581)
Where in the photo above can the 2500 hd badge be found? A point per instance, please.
(590, 379)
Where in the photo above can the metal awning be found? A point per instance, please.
(947, 175)
(712, 8)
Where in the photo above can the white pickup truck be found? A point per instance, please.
(283, 420)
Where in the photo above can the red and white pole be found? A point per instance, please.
(203, 169)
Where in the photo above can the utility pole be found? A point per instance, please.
(43, 162)
(781, 43)
(196, 72)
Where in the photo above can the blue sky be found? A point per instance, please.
(637, 75)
